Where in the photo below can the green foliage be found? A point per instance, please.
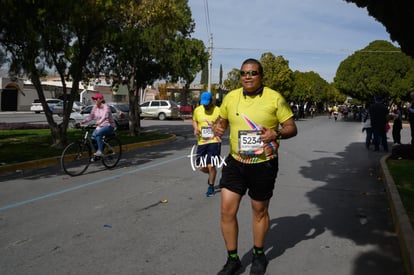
(378, 69)
(152, 42)
(233, 80)
(277, 74)
(204, 74)
(294, 86)
(310, 87)
(58, 35)
(137, 41)
(187, 59)
(34, 144)
(402, 172)
(396, 16)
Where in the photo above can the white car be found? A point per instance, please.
(37, 105)
(160, 109)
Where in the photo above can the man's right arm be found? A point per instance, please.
(220, 126)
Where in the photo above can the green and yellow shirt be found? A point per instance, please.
(205, 119)
(247, 114)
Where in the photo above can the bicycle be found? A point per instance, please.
(78, 155)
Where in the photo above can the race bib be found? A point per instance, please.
(250, 142)
(207, 133)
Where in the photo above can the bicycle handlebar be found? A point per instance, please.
(85, 127)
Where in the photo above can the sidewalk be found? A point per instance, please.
(402, 224)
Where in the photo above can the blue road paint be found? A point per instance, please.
(57, 193)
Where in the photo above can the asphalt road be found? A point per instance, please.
(329, 214)
(28, 117)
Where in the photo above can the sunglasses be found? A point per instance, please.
(251, 73)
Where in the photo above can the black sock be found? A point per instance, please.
(233, 254)
(257, 250)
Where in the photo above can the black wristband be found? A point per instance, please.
(278, 135)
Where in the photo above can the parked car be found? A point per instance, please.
(186, 110)
(120, 112)
(160, 109)
(77, 106)
(37, 105)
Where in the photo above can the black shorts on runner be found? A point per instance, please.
(258, 178)
(208, 154)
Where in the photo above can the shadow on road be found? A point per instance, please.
(285, 233)
(353, 205)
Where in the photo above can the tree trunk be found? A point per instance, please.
(59, 136)
(58, 132)
(134, 119)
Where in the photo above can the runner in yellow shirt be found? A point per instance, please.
(208, 145)
(254, 114)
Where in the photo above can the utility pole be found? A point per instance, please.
(210, 63)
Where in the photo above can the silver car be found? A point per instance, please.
(160, 109)
(37, 105)
(77, 107)
(120, 112)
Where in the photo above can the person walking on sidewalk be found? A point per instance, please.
(208, 145)
(397, 124)
(253, 113)
(379, 113)
(366, 125)
(104, 121)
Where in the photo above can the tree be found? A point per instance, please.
(204, 74)
(59, 35)
(396, 16)
(188, 58)
(378, 69)
(233, 79)
(150, 38)
(309, 87)
(277, 74)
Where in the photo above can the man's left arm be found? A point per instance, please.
(288, 129)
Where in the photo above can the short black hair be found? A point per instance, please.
(254, 61)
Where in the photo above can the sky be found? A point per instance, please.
(313, 35)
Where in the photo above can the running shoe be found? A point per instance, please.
(231, 267)
(259, 264)
(210, 191)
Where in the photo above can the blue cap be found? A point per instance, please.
(378, 98)
(205, 98)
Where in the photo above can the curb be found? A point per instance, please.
(402, 223)
(19, 167)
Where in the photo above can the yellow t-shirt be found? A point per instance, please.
(246, 115)
(205, 119)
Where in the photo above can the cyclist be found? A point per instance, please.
(104, 121)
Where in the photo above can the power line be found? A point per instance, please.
(207, 16)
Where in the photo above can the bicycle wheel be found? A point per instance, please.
(112, 152)
(76, 158)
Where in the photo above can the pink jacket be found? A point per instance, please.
(102, 115)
